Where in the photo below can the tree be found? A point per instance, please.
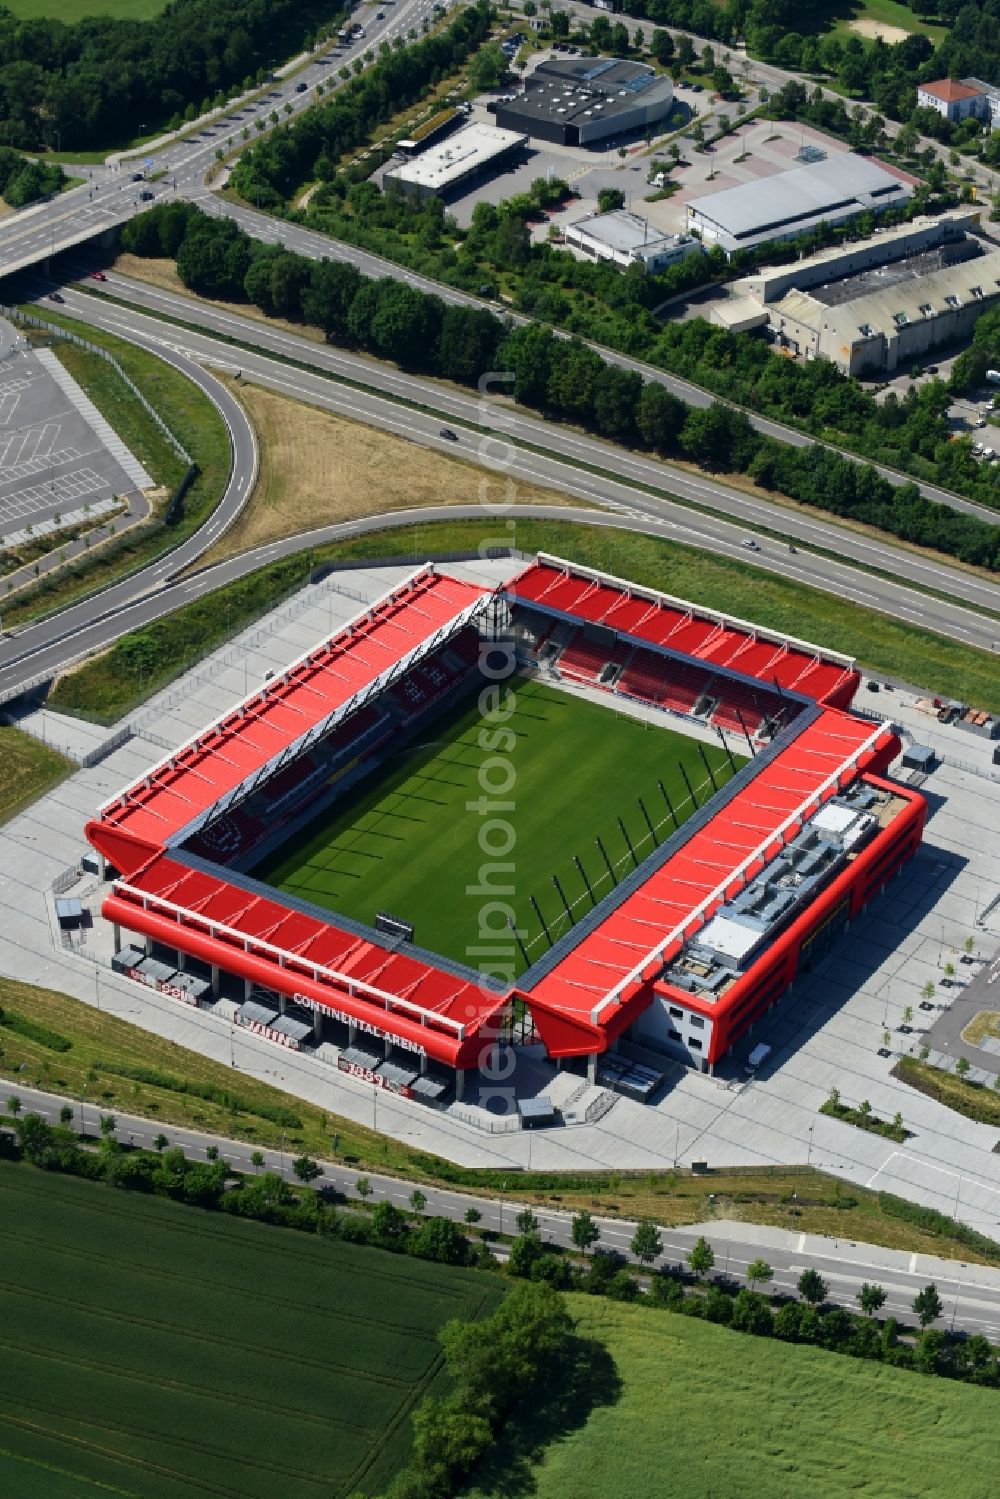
(364, 1188)
(442, 1240)
(488, 67)
(927, 1305)
(256, 1159)
(389, 1227)
(14, 1105)
(306, 1169)
(812, 1287)
(526, 1222)
(66, 1114)
(473, 1215)
(864, 1109)
(160, 1143)
(107, 1126)
(962, 1066)
(870, 1298)
(584, 1230)
(752, 1314)
(928, 990)
(448, 1439)
(646, 1244)
(701, 1258)
(759, 1270)
(418, 1201)
(609, 199)
(212, 1152)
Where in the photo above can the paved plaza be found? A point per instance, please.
(57, 452)
(827, 1031)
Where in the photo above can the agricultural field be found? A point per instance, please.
(704, 1413)
(159, 1351)
(406, 843)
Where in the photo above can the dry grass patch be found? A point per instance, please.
(986, 1023)
(317, 469)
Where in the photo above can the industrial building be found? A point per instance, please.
(581, 101)
(464, 158)
(625, 239)
(890, 317)
(894, 242)
(683, 955)
(829, 191)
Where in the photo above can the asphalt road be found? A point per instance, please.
(560, 462)
(844, 1265)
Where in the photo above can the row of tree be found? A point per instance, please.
(265, 1196)
(103, 80)
(311, 145)
(567, 380)
(807, 1320)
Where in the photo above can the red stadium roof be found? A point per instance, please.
(591, 987)
(257, 936)
(716, 639)
(307, 695)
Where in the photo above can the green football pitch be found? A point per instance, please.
(412, 840)
(157, 1351)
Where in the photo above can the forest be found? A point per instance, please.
(102, 82)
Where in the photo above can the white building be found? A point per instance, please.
(469, 154)
(955, 100)
(791, 203)
(626, 239)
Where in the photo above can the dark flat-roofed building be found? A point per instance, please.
(578, 101)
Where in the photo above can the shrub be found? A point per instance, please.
(21, 1025)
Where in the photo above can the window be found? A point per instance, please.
(674, 1035)
(698, 1021)
(694, 1045)
(675, 1012)
(926, 309)
(977, 292)
(953, 301)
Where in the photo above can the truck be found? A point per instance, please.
(993, 376)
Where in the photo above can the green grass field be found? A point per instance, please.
(29, 768)
(405, 842)
(166, 1352)
(704, 1413)
(71, 11)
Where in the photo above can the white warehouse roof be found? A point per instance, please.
(792, 201)
(456, 157)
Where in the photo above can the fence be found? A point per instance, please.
(983, 771)
(17, 316)
(490, 1124)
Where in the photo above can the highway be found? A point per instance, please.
(111, 198)
(40, 650)
(559, 446)
(316, 246)
(970, 1293)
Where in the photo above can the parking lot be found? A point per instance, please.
(57, 453)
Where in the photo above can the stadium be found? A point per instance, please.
(568, 809)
